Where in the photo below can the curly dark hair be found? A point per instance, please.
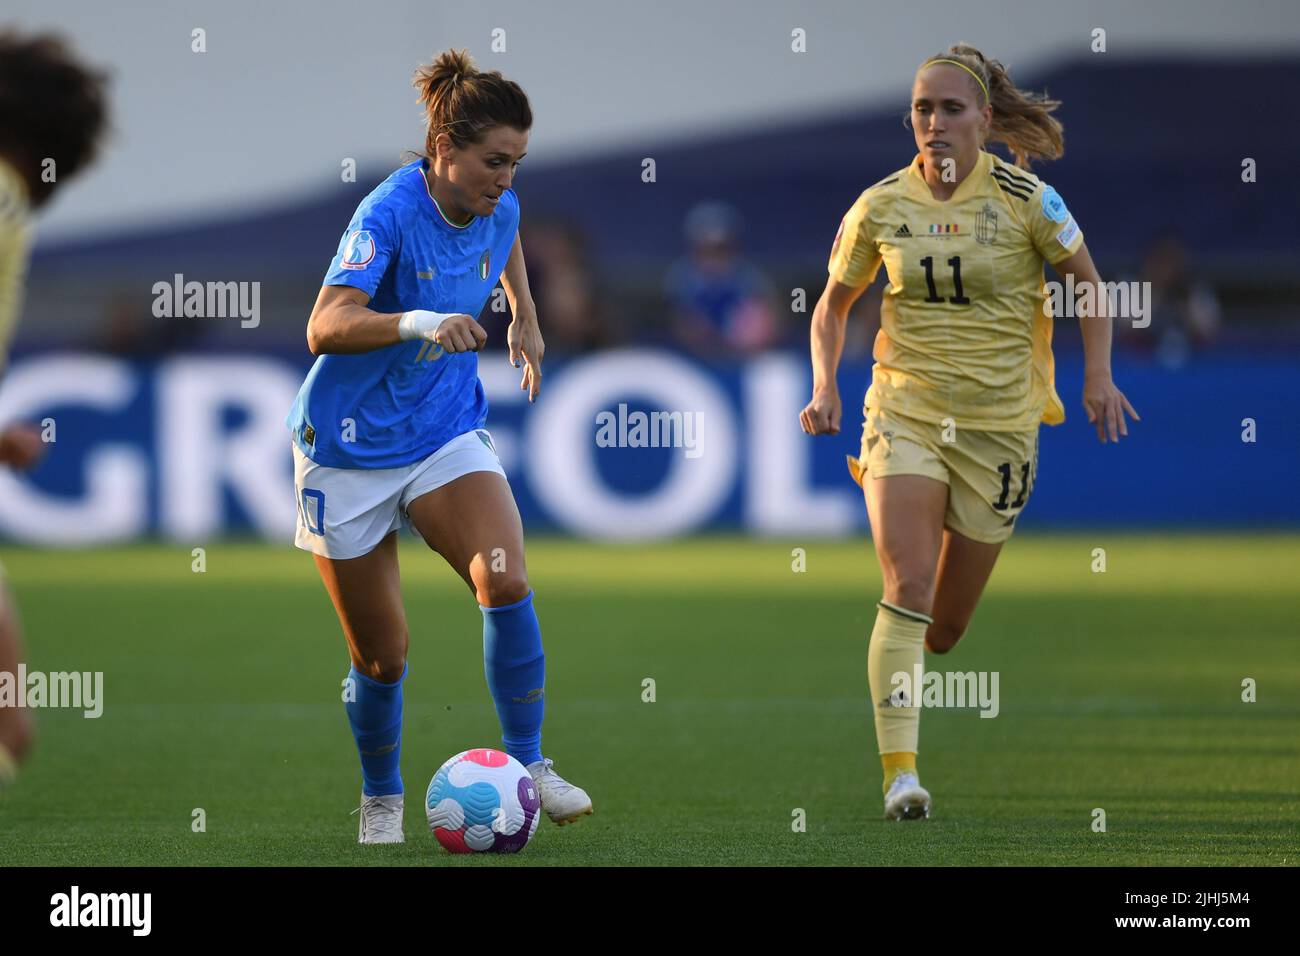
(52, 107)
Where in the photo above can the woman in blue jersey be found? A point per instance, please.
(388, 428)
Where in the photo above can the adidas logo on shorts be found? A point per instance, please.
(903, 232)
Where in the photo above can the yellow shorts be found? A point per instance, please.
(989, 475)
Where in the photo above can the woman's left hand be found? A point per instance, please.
(1106, 406)
(525, 340)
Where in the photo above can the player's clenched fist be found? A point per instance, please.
(460, 333)
(821, 416)
(455, 333)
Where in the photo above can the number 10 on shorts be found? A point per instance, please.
(311, 509)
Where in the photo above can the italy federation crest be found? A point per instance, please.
(986, 225)
(485, 264)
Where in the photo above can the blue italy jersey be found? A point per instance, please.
(400, 404)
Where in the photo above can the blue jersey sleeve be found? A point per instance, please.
(368, 245)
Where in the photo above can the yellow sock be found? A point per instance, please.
(894, 764)
(897, 646)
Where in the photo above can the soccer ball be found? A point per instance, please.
(483, 801)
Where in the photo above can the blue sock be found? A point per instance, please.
(516, 675)
(375, 713)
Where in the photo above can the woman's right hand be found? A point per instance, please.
(455, 332)
(460, 333)
(821, 416)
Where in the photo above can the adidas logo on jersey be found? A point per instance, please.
(903, 232)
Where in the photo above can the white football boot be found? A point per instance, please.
(381, 819)
(907, 799)
(562, 801)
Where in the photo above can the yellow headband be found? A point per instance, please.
(968, 70)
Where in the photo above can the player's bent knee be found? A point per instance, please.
(384, 668)
(501, 588)
(941, 637)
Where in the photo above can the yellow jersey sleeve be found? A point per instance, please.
(855, 256)
(15, 246)
(1054, 231)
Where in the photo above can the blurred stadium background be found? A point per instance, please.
(1120, 690)
(227, 166)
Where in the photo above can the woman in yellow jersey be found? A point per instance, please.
(963, 368)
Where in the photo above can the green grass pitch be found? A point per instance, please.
(1119, 690)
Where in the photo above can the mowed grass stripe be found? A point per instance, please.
(222, 694)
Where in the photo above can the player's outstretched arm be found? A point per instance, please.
(524, 337)
(1104, 402)
(341, 324)
(821, 416)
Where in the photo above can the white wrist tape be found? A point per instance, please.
(420, 324)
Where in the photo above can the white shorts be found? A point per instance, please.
(345, 512)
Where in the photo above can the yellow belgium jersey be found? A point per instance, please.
(15, 245)
(965, 325)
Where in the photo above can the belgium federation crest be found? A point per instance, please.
(485, 264)
(986, 225)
